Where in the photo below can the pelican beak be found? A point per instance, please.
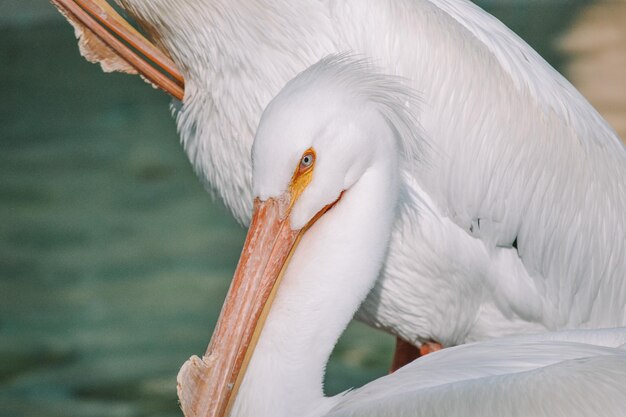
(107, 38)
(207, 387)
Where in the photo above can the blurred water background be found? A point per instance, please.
(114, 261)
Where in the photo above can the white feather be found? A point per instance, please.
(572, 374)
(516, 155)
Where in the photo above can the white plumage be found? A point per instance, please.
(517, 157)
(335, 161)
(577, 373)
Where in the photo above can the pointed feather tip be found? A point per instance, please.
(192, 386)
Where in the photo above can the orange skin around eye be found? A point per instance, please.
(301, 178)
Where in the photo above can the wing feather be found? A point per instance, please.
(517, 156)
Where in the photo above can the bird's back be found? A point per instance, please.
(576, 374)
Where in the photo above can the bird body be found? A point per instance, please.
(333, 163)
(517, 221)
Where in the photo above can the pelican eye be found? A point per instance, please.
(307, 160)
(302, 176)
(306, 165)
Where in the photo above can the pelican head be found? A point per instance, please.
(327, 174)
(324, 130)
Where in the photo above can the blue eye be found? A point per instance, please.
(307, 160)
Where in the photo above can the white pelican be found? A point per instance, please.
(332, 165)
(523, 228)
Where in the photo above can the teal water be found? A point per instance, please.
(114, 261)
